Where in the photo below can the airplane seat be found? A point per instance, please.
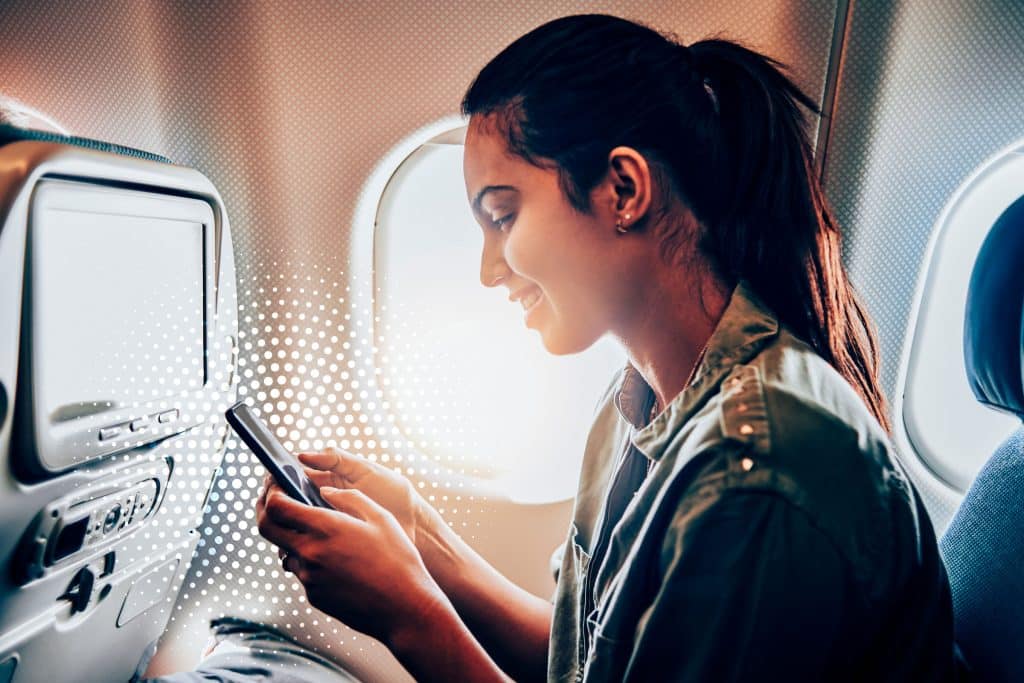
(118, 329)
(984, 545)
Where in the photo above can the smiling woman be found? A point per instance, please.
(740, 513)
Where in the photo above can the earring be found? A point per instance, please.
(620, 226)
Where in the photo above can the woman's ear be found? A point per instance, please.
(629, 177)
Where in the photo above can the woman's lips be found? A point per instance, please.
(530, 300)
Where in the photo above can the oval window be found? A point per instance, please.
(463, 378)
(949, 430)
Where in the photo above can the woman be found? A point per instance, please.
(740, 513)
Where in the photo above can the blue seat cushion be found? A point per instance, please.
(984, 554)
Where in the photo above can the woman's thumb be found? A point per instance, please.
(344, 464)
(348, 501)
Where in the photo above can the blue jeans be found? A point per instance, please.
(247, 652)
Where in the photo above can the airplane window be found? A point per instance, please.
(947, 427)
(463, 378)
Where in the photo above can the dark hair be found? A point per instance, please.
(725, 129)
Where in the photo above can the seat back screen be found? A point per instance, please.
(118, 307)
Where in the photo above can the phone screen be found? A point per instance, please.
(285, 467)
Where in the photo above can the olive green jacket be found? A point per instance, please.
(758, 528)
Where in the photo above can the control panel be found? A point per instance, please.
(92, 519)
(101, 520)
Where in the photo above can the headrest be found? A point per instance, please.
(993, 340)
(9, 133)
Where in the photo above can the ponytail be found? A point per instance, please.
(738, 156)
(773, 226)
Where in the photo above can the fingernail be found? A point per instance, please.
(328, 490)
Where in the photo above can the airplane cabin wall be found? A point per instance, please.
(927, 92)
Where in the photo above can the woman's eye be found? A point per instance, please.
(503, 223)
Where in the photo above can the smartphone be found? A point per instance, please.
(285, 467)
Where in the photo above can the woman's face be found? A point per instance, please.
(572, 273)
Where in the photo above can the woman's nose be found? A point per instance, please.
(493, 268)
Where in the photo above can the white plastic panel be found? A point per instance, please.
(950, 431)
(451, 350)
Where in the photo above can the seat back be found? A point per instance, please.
(118, 328)
(984, 545)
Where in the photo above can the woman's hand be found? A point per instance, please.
(513, 624)
(356, 562)
(359, 565)
(384, 486)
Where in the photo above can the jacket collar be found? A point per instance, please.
(747, 325)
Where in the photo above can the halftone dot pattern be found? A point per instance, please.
(288, 107)
(304, 364)
(929, 90)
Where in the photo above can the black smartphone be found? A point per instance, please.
(285, 467)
